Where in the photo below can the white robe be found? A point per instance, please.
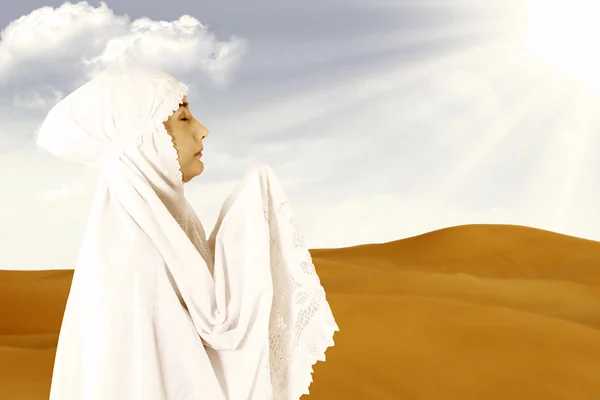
(156, 311)
(140, 343)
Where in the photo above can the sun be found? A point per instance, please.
(565, 34)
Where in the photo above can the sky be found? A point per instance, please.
(383, 119)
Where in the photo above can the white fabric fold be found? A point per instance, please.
(156, 311)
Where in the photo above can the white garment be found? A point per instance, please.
(156, 311)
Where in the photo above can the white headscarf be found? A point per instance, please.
(155, 311)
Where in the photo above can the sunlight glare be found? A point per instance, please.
(564, 34)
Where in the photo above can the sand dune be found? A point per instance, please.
(475, 312)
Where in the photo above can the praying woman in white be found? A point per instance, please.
(156, 310)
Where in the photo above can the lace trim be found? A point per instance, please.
(176, 95)
(302, 325)
(187, 224)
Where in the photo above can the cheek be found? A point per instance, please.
(186, 150)
(180, 143)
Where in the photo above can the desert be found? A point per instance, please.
(468, 312)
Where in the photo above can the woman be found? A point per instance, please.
(156, 311)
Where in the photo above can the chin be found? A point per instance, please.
(191, 173)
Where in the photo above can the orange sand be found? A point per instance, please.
(475, 312)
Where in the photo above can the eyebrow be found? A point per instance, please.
(182, 105)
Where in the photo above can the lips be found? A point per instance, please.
(198, 154)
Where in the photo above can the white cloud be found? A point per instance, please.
(43, 97)
(86, 40)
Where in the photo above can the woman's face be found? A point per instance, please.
(187, 134)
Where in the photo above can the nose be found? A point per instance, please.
(201, 131)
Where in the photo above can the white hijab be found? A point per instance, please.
(155, 310)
